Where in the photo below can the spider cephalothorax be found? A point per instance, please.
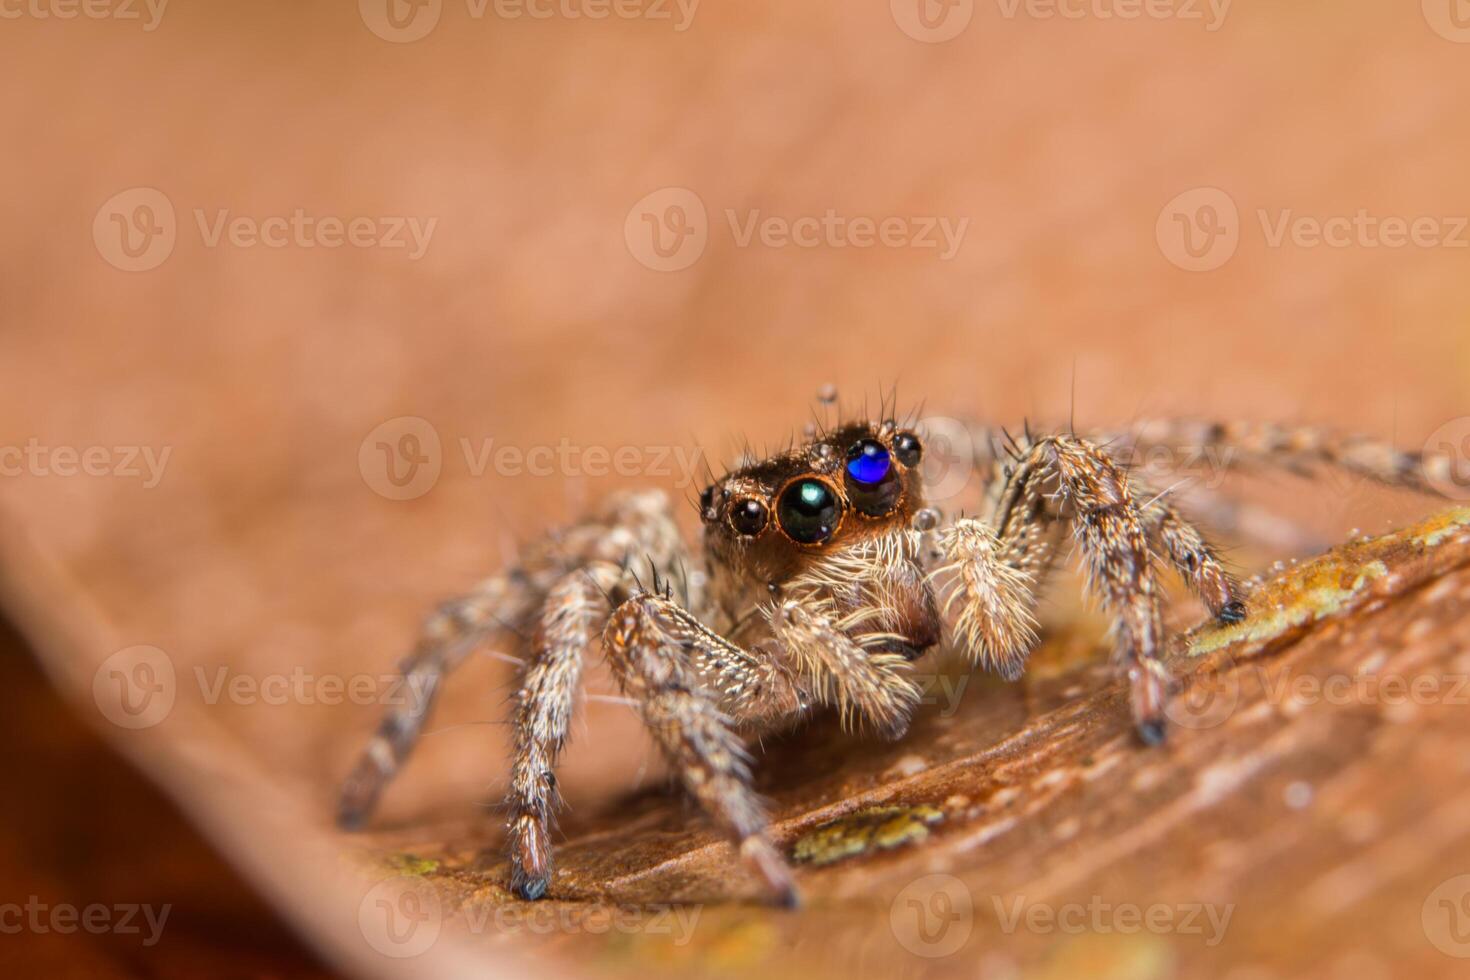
(823, 575)
(789, 524)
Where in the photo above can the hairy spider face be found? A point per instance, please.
(769, 520)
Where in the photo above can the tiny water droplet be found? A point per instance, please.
(927, 519)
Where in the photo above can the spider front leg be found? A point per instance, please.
(996, 623)
(1111, 536)
(570, 616)
(844, 666)
(679, 672)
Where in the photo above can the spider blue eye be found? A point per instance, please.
(868, 462)
(873, 484)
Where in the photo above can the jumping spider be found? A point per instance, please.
(823, 577)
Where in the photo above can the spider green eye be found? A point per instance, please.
(749, 516)
(872, 480)
(809, 511)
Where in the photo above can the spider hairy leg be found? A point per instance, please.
(448, 636)
(996, 623)
(864, 683)
(651, 644)
(1194, 559)
(1300, 449)
(570, 616)
(1109, 532)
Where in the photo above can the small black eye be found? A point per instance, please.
(872, 480)
(748, 516)
(809, 511)
(707, 503)
(907, 448)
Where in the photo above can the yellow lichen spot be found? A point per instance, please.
(1311, 592)
(410, 864)
(1324, 586)
(879, 827)
(1437, 528)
